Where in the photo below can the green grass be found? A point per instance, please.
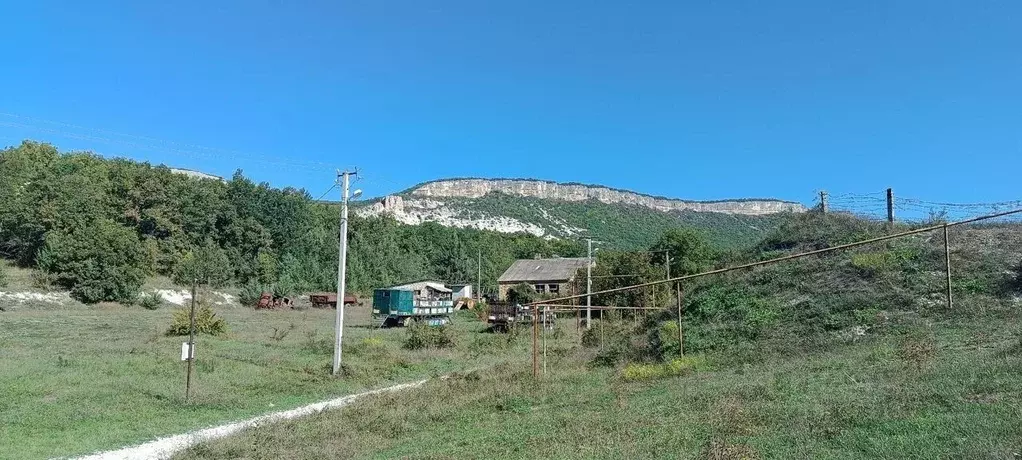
(75, 381)
(949, 390)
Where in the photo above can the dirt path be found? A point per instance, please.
(166, 447)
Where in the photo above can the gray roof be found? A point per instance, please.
(439, 287)
(561, 269)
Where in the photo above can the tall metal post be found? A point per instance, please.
(823, 201)
(191, 346)
(947, 265)
(589, 286)
(341, 269)
(479, 276)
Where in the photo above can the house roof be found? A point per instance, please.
(542, 270)
(439, 287)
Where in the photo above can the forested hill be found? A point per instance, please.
(99, 227)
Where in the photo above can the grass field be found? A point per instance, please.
(83, 379)
(930, 390)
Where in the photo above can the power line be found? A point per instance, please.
(150, 143)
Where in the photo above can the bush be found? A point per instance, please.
(421, 335)
(676, 366)
(99, 261)
(150, 301)
(206, 322)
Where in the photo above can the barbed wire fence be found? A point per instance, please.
(887, 205)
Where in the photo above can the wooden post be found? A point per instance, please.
(191, 346)
(681, 334)
(890, 206)
(947, 266)
(823, 201)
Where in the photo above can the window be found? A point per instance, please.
(554, 289)
(540, 288)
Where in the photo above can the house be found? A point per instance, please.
(547, 276)
(426, 290)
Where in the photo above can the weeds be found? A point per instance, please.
(421, 335)
(150, 301)
(675, 367)
(281, 333)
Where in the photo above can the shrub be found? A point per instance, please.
(150, 301)
(421, 335)
(676, 366)
(206, 322)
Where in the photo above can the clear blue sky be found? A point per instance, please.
(685, 99)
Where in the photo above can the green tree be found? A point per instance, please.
(99, 261)
(206, 264)
(689, 251)
(522, 293)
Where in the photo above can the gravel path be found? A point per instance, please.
(165, 447)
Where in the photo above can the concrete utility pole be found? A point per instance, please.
(589, 285)
(342, 257)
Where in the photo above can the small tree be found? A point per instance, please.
(689, 251)
(522, 293)
(98, 261)
(207, 263)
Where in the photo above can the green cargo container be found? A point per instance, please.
(393, 301)
(398, 306)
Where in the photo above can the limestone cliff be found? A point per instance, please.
(476, 188)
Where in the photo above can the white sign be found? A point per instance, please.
(184, 351)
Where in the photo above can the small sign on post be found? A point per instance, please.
(187, 351)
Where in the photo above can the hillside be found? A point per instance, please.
(100, 227)
(621, 218)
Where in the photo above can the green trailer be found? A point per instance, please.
(402, 306)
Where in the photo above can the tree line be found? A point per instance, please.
(99, 227)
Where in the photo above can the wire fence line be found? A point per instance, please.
(874, 205)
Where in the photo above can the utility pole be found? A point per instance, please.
(589, 285)
(342, 257)
(890, 206)
(823, 201)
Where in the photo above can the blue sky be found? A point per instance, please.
(700, 100)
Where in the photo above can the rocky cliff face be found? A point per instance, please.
(476, 188)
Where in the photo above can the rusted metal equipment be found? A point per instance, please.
(268, 301)
(503, 316)
(329, 299)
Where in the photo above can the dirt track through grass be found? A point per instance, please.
(90, 379)
(948, 390)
